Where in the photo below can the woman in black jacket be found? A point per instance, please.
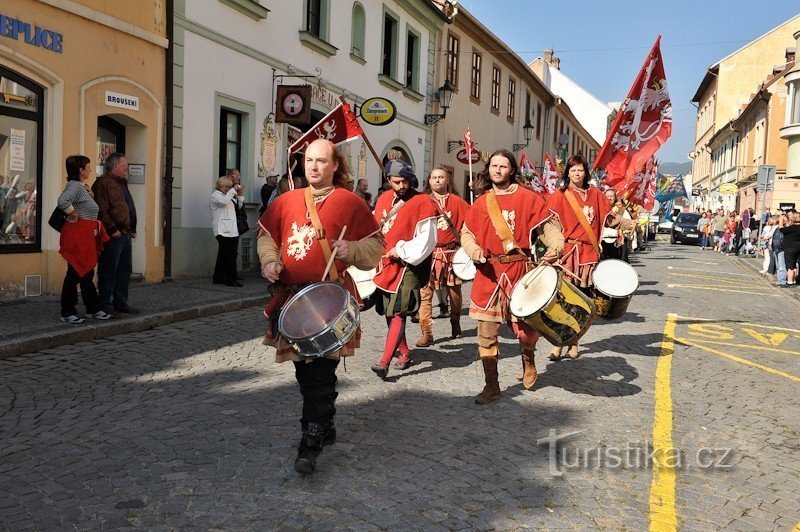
(791, 246)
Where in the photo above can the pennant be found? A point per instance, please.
(530, 174)
(642, 125)
(550, 175)
(468, 143)
(673, 189)
(340, 125)
(641, 188)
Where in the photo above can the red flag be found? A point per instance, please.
(468, 143)
(550, 175)
(643, 124)
(338, 126)
(641, 188)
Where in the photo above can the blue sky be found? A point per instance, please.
(602, 44)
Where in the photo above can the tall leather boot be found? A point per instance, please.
(425, 318)
(491, 391)
(309, 449)
(529, 373)
(455, 311)
(426, 324)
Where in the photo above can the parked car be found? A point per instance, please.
(665, 226)
(684, 230)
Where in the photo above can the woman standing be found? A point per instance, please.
(223, 223)
(791, 246)
(582, 211)
(79, 242)
(703, 225)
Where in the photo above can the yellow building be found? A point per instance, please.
(77, 77)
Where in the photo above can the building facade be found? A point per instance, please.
(76, 77)
(791, 132)
(230, 57)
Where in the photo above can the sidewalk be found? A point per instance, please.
(752, 264)
(32, 324)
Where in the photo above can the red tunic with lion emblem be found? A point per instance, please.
(447, 243)
(596, 207)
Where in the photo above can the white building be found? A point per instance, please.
(590, 112)
(229, 57)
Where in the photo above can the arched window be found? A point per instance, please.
(359, 31)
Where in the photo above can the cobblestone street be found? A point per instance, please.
(193, 424)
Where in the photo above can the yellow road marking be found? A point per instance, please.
(704, 287)
(739, 323)
(735, 282)
(796, 527)
(663, 515)
(752, 346)
(707, 271)
(741, 360)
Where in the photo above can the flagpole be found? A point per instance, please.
(289, 166)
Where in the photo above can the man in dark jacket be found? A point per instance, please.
(118, 214)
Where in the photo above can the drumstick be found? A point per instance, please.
(375, 232)
(563, 269)
(333, 254)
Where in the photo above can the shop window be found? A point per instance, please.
(359, 31)
(21, 118)
(230, 140)
(110, 139)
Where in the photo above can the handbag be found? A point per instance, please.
(57, 219)
(241, 218)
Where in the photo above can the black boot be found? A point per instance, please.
(330, 434)
(310, 446)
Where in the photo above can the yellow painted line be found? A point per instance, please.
(741, 360)
(739, 323)
(708, 271)
(663, 516)
(751, 346)
(735, 282)
(704, 287)
(796, 527)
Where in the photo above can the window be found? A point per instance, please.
(538, 119)
(495, 88)
(21, 136)
(452, 59)
(389, 45)
(475, 83)
(230, 140)
(412, 61)
(512, 88)
(358, 31)
(314, 17)
(794, 102)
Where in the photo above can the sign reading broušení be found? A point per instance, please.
(378, 111)
(14, 28)
(124, 101)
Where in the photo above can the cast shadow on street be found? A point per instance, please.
(604, 376)
(627, 344)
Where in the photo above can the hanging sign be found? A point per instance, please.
(378, 111)
(728, 189)
(293, 104)
(462, 156)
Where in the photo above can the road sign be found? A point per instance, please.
(766, 178)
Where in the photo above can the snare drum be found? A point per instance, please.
(463, 267)
(319, 320)
(614, 282)
(546, 301)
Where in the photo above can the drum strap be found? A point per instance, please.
(500, 224)
(321, 236)
(573, 202)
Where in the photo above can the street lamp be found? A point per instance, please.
(444, 96)
(563, 143)
(527, 133)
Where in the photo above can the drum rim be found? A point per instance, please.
(613, 296)
(327, 324)
(333, 347)
(559, 280)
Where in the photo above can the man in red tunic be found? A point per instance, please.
(452, 213)
(581, 252)
(293, 254)
(408, 223)
(502, 262)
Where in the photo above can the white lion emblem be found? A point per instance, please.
(300, 241)
(328, 130)
(588, 211)
(387, 224)
(510, 217)
(441, 222)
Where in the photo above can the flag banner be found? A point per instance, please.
(468, 142)
(641, 188)
(673, 189)
(340, 125)
(530, 174)
(643, 124)
(550, 175)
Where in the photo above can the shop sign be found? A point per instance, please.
(728, 189)
(378, 111)
(14, 28)
(136, 174)
(786, 206)
(292, 105)
(124, 101)
(324, 96)
(462, 156)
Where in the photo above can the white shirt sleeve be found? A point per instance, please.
(417, 249)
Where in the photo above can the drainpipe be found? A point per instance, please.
(168, 124)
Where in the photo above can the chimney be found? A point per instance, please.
(548, 56)
(557, 63)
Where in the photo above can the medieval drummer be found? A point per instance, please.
(298, 232)
(408, 224)
(452, 212)
(501, 227)
(581, 211)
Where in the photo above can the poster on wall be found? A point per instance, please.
(104, 149)
(16, 160)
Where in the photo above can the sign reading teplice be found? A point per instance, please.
(14, 28)
(378, 111)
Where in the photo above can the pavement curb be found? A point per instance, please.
(752, 265)
(38, 342)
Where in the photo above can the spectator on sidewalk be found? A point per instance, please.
(223, 224)
(118, 214)
(241, 212)
(79, 242)
(791, 246)
(777, 251)
(719, 229)
(703, 225)
(765, 245)
(267, 189)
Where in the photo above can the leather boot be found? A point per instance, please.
(555, 353)
(427, 334)
(573, 351)
(310, 446)
(529, 373)
(491, 391)
(455, 329)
